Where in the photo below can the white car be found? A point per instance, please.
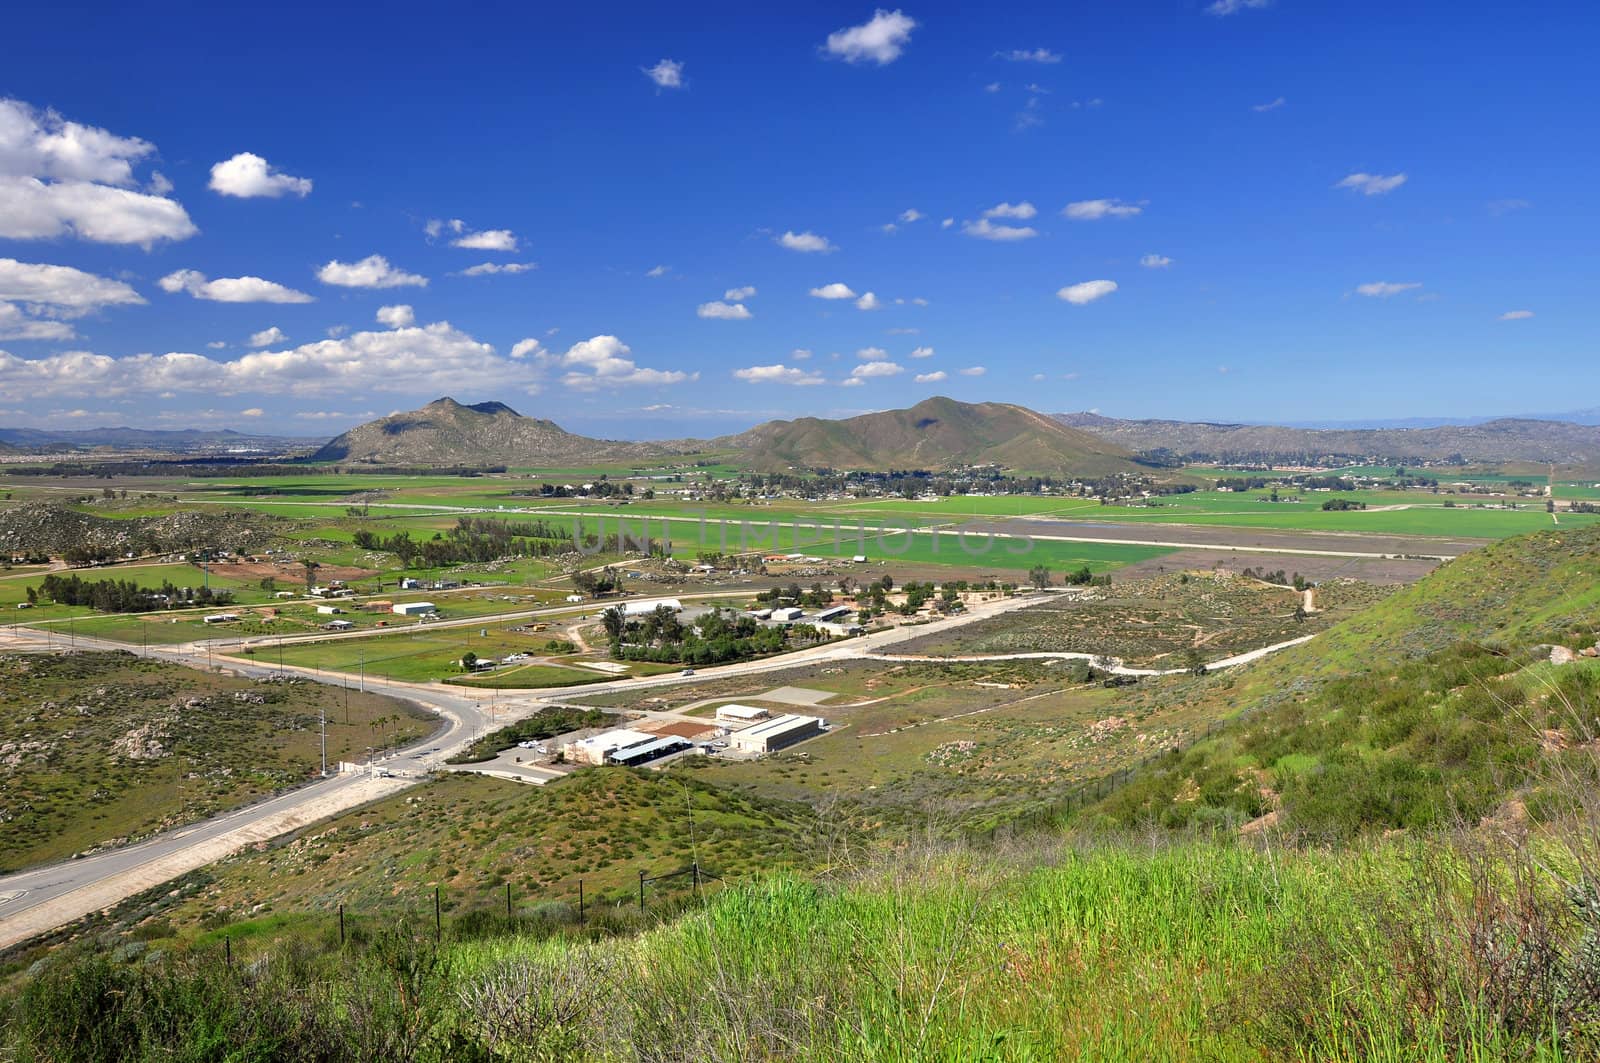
(687, 671)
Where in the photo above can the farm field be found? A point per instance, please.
(98, 748)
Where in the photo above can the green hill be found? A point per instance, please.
(937, 433)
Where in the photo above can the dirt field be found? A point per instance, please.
(250, 571)
(1223, 537)
(1385, 572)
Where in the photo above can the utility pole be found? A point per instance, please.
(322, 712)
(363, 651)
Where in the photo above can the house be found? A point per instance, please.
(775, 734)
(413, 609)
(574, 597)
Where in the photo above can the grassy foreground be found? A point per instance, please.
(1409, 949)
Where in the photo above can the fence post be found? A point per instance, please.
(580, 903)
(341, 926)
(641, 892)
(438, 921)
(508, 900)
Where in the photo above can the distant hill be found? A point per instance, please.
(167, 441)
(445, 432)
(937, 433)
(1491, 442)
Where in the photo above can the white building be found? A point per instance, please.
(788, 614)
(413, 608)
(741, 714)
(596, 748)
(775, 734)
(649, 606)
(329, 610)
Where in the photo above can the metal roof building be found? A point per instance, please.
(775, 734)
(648, 751)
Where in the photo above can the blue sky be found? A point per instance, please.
(1307, 211)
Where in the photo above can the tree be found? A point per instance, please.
(311, 574)
(615, 622)
(469, 660)
(1299, 613)
(1039, 576)
(1193, 661)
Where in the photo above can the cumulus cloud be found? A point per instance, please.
(1020, 211)
(485, 269)
(61, 291)
(807, 241)
(984, 229)
(523, 348)
(734, 295)
(872, 354)
(1516, 315)
(1154, 261)
(973, 370)
(911, 215)
(1221, 8)
(868, 301)
(722, 311)
(922, 352)
(248, 176)
(778, 374)
(602, 361)
(1384, 289)
(931, 378)
(17, 325)
(61, 178)
(422, 360)
(667, 74)
(879, 40)
(397, 316)
(658, 271)
(836, 290)
(1030, 55)
(1086, 292)
(1095, 209)
(267, 337)
(873, 370)
(1272, 106)
(1371, 184)
(800, 354)
(230, 289)
(373, 271)
(487, 240)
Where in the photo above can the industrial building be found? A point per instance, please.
(596, 749)
(644, 608)
(832, 613)
(788, 614)
(644, 753)
(740, 714)
(413, 608)
(778, 733)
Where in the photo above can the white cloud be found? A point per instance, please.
(230, 289)
(1516, 315)
(1086, 292)
(947, 223)
(868, 301)
(398, 316)
(724, 311)
(1233, 7)
(523, 348)
(778, 374)
(1273, 106)
(872, 354)
(218, 345)
(1384, 289)
(932, 378)
(973, 370)
(1371, 184)
(489, 268)
(425, 360)
(601, 361)
(873, 370)
(993, 86)
(911, 215)
(658, 271)
(836, 290)
(800, 354)
(851, 382)
(922, 352)
(373, 271)
(984, 229)
(1095, 209)
(667, 74)
(487, 240)
(335, 331)
(1033, 55)
(1021, 211)
(735, 295)
(248, 176)
(1037, 377)
(17, 325)
(254, 411)
(267, 337)
(1153, 261)
(61, 291)
(879, 40)
(806, 241)
(61, 178)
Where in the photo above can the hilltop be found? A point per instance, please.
(1491, 443)
(445, 432)
(937, 433)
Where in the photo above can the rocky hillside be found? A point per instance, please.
(1492, 442)
(43, 528)
(937, 433)
(445, 432)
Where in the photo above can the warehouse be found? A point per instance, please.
(775, 734)
(597, 749)
(649, 606)
(740, 714)
(788, 614)
(413, 608)
(634, 755)
(834, 613)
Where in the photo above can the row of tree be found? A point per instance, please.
(123, 596)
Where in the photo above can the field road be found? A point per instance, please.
(42, 899)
